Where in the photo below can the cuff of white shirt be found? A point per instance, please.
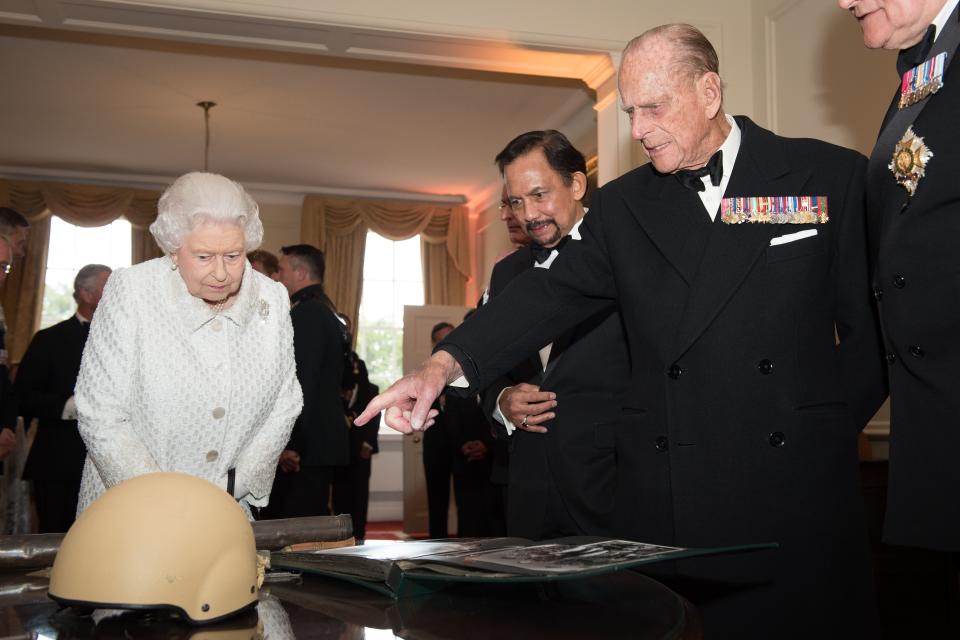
(502, 419)
(460, 383)
(69, 409)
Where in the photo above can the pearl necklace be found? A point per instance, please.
(218, 307)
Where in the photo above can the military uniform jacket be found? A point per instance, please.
(321, 433)
(589, 368)
(917, 283)
(742, 417)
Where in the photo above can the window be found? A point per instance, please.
(392, 278)
(72, 247)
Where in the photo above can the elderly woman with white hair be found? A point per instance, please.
(190, 366)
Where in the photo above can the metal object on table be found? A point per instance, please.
(30, 551)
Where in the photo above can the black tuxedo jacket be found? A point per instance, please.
(588, 369)
(917, 283)
(741, 421)
(45, 381)
(320, 434)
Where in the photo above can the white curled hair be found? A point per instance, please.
(195, 198)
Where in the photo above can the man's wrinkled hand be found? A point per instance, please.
(527, 407)
(407, 401)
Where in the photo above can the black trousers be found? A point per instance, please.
(438, 470)
(56, 501)
(351, 493)
(300, 494)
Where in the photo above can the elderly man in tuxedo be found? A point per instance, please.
(558, 408)
(45, 384)
(738, 261)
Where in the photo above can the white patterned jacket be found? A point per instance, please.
(166, 385)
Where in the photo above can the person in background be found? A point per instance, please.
(264, 262)
(165, 382)
(45, 386)
(320, 439)
(438, 457)
(351, 483)
(8, 440)
(16, 229)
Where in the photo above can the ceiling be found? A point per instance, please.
(109, 108)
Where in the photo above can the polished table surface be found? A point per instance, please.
(621, 605)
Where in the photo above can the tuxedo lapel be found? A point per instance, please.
(732, 250)
(509, 268)
(673, 218)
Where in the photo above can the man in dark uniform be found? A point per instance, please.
(8, 440)
(320, 439)
(913, 191)
(738, 258)
(45, 381)
(438, 458)
(14, 228)
(562, 476)
(351, 483)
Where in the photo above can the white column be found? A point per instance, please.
(615, 155)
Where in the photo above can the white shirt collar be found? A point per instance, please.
(941, 20)
(712, 195)
(574, 235)
(81, 319)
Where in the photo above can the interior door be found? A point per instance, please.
(417, 323)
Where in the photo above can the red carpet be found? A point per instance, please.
(390, 531)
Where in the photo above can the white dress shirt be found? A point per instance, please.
(544, 351)
(711, 196)
(941, 18)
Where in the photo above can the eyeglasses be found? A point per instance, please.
(516, 203)
(6, 267)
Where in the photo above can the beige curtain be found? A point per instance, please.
(80, 204)
(339, 227)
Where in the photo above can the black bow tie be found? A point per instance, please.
(693, 178)
(541, 253)
(909, 58)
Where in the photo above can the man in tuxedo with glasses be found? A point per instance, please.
(558, 407)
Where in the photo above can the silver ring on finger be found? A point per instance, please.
(524, 423)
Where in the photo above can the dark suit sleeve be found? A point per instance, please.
(536, 308)
(858, 329)
(35, 376)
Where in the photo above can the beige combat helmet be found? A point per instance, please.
(159, 541)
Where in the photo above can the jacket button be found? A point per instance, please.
(878, 293)
(219, 412)
(217, 324)
(891, 358)
(765, 366)
(212, 456)
(675, 371)
(905, 206)
(661, 443)
(916, 351)
(777, 439)
(899, 281)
